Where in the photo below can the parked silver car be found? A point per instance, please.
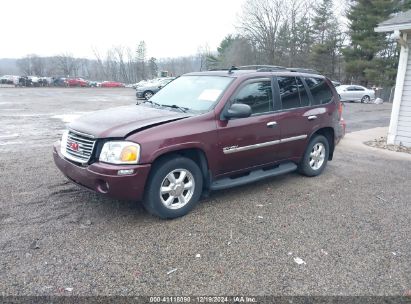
(148, 89)
(355, 93)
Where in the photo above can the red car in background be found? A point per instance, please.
(76, 82)
(112, 84)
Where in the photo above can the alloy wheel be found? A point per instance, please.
(177, 189)
(317, 156)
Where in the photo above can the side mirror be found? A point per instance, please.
(238, 110)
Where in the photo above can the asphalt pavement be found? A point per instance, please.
(346, 232)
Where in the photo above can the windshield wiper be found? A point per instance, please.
(152, 102)
(182, 109)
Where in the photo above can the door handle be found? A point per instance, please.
(312, 117)
(271, 124)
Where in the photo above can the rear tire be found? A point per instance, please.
(315, 156)
(173, 188)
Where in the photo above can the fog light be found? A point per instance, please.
(125, 172)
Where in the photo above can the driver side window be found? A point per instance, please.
(258, 95)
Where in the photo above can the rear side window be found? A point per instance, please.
(290, 97)
(320, 90)
(258, 95)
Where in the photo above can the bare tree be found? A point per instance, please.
(123, 73)
(25, 66)
(67, 64)
(101, 70)
(260, 24)
(32, 65)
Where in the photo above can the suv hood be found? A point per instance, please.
(121, 121)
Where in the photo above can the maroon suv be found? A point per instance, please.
(205, 131)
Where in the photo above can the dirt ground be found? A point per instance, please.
(346, 232)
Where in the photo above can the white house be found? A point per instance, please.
(400, 124)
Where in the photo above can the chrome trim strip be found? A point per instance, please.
(74, 158)
(284, 140)
(229, 150)
(83, 134)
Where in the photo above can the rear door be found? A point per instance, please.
(249, 142)
(303, 101)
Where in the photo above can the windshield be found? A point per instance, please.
(194, 93)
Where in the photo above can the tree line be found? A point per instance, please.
(118, 64)
(298, 33)
(336, 38)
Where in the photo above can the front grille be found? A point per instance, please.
(79, 147)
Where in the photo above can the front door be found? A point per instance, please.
(249, 142)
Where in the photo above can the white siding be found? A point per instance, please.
(404, 119)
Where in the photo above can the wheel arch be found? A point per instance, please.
(329, 134)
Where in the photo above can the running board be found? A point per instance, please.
(253, 176)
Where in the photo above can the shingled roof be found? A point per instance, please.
(401, 21)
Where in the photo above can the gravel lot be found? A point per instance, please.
(351, 226)
(361, 116)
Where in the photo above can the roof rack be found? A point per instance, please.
(273, 68)
(303, 70)
(261, 68)
(267, 68)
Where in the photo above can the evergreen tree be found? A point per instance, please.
(153, 68)
(283, 44)
(304, 41)
(327, 35)
(225, 44)
(233, 51)
(141, 55)
(371, 57)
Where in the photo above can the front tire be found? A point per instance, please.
(174, 187)
(148, 95)
(315, 157)
(365, 99)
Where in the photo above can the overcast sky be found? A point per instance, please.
(170, 28)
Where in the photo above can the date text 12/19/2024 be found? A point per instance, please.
(203, 299)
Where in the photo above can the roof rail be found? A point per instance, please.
(268, 68)
(260, 67)
(273, 68)
(303, 70)
(211, 70)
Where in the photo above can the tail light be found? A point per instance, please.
(340, 109)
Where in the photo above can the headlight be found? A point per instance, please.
(64, 142)
(120, 153)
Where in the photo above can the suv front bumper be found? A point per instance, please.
(103, 178)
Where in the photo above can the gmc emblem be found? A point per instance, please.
(74, 146)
